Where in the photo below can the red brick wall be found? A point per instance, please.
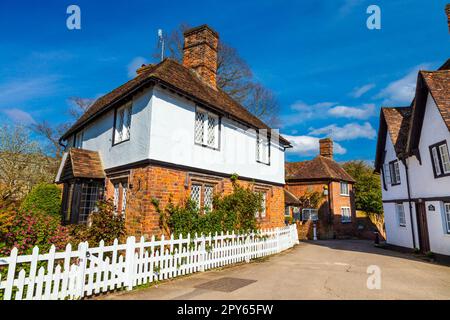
(165, 183)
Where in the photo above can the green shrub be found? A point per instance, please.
(103, 224)
(44, 197)
(233, 212)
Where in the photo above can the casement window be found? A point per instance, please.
(206, 131)
(91, 193)
(80, 200)
(78, 140)
(122, 124)
(310, 214)
(441, 159)
(400, 212)
(447, 217)
(346, 215)
(202, 194)
(392, 173)
(120, 196)
(262, 147)
(344, 189)
(262, 213)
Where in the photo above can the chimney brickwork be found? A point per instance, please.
(326, 148)
(200, 53)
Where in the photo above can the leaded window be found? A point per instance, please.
(346, 215)
(262, 147)
(401, 218)
(122, 125)
(441, 159)
(206, 131)
(196, 190)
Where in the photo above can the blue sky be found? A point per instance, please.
(330, 73)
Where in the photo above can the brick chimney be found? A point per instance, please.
(326, 147)
(447, 11)
(200, 53)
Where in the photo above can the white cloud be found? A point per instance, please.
(19, 116)
(19, 90)
(134, 65)
(360, 91)
(350, 131)
(403, 89)
(363, 112)
(307, 145)
(305, 112)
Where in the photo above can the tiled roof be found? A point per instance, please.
(175, 76)
(438, 82)
(290, 199)
(86, 164)
(398, 120)
(318, 168)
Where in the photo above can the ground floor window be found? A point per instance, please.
(346, 215)
(400, 211)
(447, 216)
(262, 213)
(202, 194)
(80, 198)
(120, 196)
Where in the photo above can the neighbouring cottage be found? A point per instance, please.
(414, 162)
(332, 186)
(170, 133)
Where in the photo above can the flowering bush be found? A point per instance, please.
(28, 229)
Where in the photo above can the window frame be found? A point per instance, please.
(120, 203)
(217, 131)
(260, 215)
(349, 220)
(393, 174)
(78, 139)
(400, 222)
(259, 142)
(129, 106)
(347, 186)
(437, 147)
(447, 217)
(202, 194)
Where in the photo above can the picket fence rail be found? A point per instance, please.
(88, 271)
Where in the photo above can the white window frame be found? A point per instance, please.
(210, 134)
(400, 214)
(346, 218)
(120, 195)
(122, 124)
(261, 214)
(262, 147)
(310, 214)
(392, 173)
(447, 216)
(78, 140)
(441, 159)
(346, 191)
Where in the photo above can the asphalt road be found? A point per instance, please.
(335, 269)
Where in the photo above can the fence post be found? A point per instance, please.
(247, 249)
(129, 262)
(82, 250)
(277, 230)
(11, 274)
(203, 254)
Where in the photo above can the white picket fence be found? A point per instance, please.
(88, 271)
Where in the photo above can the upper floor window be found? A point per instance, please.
(441, 159)
(122, 124)
(262, 147)
(392, 173)
(206, 131)
(344, 189)
(346, 214)
(447, 217)
(78, 140)
(400, 210)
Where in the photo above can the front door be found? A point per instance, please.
(422, 226)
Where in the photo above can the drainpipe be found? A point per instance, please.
(409, 202)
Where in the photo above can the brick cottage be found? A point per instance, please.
(322, 175)
(170, 133)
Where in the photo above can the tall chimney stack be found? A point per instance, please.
(326, 148)
(447, 11)
(200, 53)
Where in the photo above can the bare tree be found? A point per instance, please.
(22, 164)
(234, 76)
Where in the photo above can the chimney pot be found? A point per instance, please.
(200, 53)
(326, 148)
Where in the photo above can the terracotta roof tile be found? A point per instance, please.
(86, 164)
(318, 168)
(398, 122)
(438, 82)
(172, 74)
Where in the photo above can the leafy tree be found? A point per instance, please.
(44, 197)
(367, 186)
(234, 76)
